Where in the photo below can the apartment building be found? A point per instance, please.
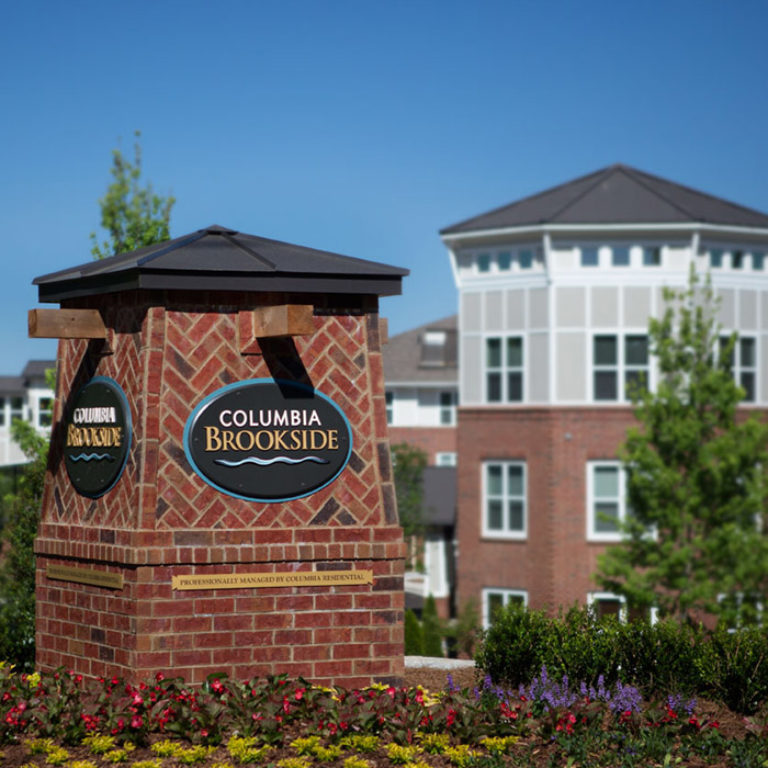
(555, 294)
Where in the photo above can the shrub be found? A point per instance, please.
(414, 640)
(433, 635)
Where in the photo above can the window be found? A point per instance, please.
(607, 604)
(45, 412)
(739, 610)
(606, 500)
(504, 499)
(390, 401)
(716, 258)
(504, 369)
(496, 599)
(504, 260)
(2, 412)
(652, 256)
(743, 363)
(758, 260)
(526, 259)
(620, 256)
(737, 259)
(589, 257)
(447, 408)
(17, 408)
(446, 459)
(484, 262)
(618, 359)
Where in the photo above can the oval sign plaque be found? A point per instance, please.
(268, 440)
(98, 437)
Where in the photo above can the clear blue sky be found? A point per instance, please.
(359, 127)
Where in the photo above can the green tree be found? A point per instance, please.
(414, 638)
(433, 633)
(133, 215)
(408, 466)
(695, 476)
(17, 570)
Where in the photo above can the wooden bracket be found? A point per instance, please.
(273, 322)
(66, 324)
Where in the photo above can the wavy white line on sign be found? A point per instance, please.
(267, 462)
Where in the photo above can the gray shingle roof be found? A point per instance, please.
(35, 369)
(217, 258)
(617, 194)
(402, 355)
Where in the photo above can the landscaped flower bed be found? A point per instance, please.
(61, 719)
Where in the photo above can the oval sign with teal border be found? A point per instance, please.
(97, 437)
(268, 440)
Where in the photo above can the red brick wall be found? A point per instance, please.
(431, 440)
(162, 520)
(555, 562)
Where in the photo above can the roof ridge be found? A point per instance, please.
(170, 245)
(249, 251)
(633, 173)
(525, 199)
(699, 192)
(603, 173)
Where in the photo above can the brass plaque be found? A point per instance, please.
(85, 576)
(299, 579)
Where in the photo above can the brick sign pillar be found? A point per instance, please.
(155, 567)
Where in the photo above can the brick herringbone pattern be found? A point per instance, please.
(78, 362)
(200, 356)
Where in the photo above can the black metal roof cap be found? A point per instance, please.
(221, 259)
(618, 194)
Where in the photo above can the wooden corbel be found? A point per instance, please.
(67, 324)
(277, 321)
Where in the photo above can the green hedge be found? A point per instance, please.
(661, 658)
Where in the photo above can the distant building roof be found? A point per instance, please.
(35, 369)
(418, 356)
(617, 194)
(222, 259)
(439, 486)
(12, 385)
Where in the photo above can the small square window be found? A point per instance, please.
(526, 259)
(589, 257)
(504, 260)
(758, 259)
(652, 256)
(620, 256)
(484, 262)
(716, 258)
(737, 259)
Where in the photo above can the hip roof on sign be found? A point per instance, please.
(221, 259)
(618, 194)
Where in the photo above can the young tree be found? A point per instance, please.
(133, 215)
(695, 476)
(408, 464)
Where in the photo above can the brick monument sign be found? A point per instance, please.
(219, 494)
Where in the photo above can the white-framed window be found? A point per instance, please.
(504, 261)
(652, 256)
(447, 408)
(715, 258)
(737, 259)
(745, 610)
(758, 260)
(44, 411)
(504, 369)
(590, 256)
(494, 599)
(619, 363)
(483, 262)
(608, 604)
(606, 500)
(504, 499)
(620, 256)
(445, 459)
(743, 364)
(17, 408)
(389, 398)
